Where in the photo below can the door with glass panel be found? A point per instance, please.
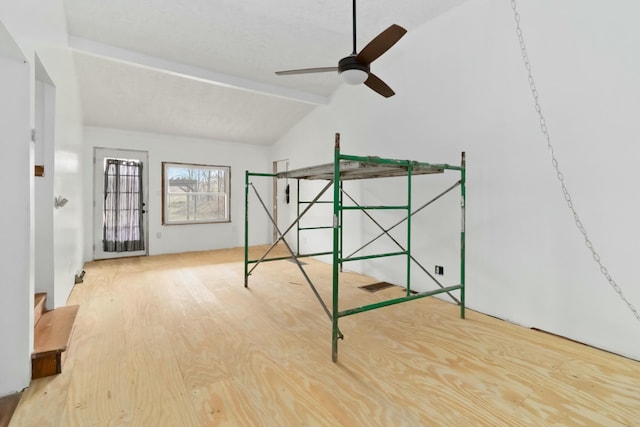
(120, 203)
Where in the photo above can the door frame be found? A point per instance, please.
(99, 154)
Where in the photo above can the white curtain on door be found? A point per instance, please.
(123, 206)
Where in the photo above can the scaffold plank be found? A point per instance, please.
(350, 170)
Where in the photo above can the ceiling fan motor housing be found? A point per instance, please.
(350, 63)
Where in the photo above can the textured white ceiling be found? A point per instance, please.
(231, 47)
(121, 96)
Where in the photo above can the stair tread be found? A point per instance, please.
(54, 329)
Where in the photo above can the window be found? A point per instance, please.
(194, 194)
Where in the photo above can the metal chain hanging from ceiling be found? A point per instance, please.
(554, 163)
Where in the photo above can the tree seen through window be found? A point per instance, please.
(195, 193)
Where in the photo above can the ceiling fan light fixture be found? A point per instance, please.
(354, 76)
(355, 68)
(351, 71)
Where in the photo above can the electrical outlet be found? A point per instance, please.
(439, 270)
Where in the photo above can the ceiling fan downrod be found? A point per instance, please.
(355, 52)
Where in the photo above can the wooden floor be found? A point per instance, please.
(177, 341)
(7, 406)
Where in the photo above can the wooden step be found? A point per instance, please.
(40, 306)
(52, 334)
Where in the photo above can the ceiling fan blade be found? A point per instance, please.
(379, 86)
(307, 71)
(380, 44)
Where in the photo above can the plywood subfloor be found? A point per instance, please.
(178, 341)
(8, 404)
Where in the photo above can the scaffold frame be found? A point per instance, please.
(349, 167)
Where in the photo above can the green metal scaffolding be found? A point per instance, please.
(347, 167)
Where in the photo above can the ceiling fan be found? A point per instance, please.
(354, 69)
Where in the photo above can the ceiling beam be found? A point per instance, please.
(86, 46)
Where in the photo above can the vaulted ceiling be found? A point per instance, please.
(205, 68)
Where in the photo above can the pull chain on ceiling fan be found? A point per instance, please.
(355, 68)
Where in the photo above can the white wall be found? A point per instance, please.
(167, 148)
(16, 278)
(69, 233)
(38, 27)
(461, 86)
(41, 28)
(44, 155)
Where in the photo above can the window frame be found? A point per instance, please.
(165, 192)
